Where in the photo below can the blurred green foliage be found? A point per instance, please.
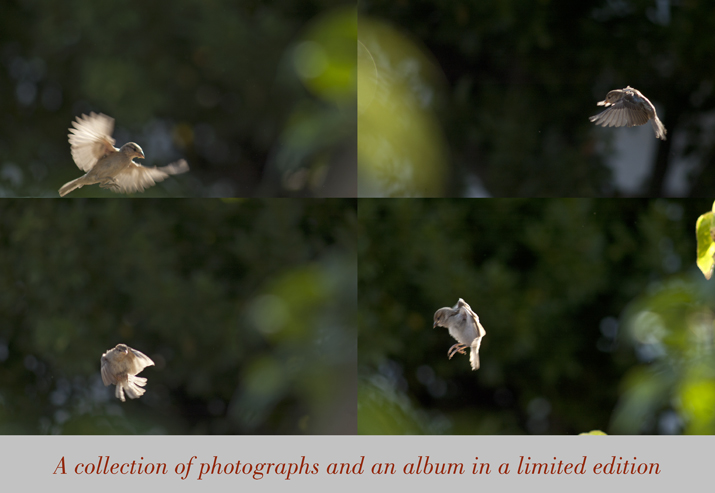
(522, 78)
(247, 307)
(259, 97)
(596, 317)
(401, 150)
(671, 327)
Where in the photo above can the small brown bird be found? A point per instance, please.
(120, 366)
(93, 151)
(627, 108)
(464, 326)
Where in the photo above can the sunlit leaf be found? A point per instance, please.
(706, 245)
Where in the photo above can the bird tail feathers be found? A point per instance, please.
(659, 128)
(132, 386)
(72, 185)
(474, 358)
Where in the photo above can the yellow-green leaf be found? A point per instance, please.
(706, 245)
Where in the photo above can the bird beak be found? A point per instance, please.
(435, 325)
(141, 154)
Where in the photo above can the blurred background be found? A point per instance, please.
(596, 317)
(259, 97)
(474, 98)
(247, 307)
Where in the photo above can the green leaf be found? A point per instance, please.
(706, 245)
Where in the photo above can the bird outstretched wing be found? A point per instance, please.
(91, 139)
(137, 177)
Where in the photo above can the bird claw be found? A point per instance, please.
(457, 348)
(109, 183)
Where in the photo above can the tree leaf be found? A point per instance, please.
(706, 245)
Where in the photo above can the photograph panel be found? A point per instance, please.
(535, 316)
(219, 99)
(473, 98)
(182, 317)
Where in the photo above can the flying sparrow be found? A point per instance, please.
(627, 108)
(120, 366)
(464, 326)
(93, 151)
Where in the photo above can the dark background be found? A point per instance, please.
(259, 97)
(516, 82)
(596, 317)
(247, 307)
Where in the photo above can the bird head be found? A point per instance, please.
(132, 150)
(612, 97)
(440, 317)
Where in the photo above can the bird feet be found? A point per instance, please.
(457, 348)
(109, 183)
